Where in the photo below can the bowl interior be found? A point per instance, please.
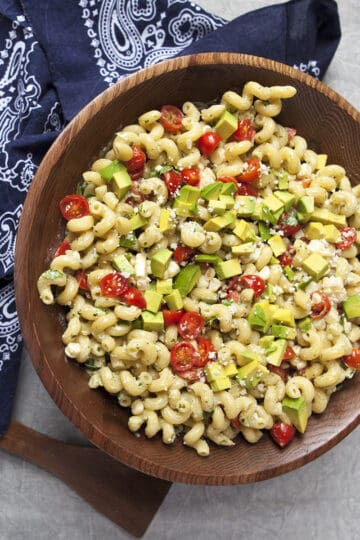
(330, 126)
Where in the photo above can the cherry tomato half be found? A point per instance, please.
(208, 142)
(285, 259)
(114, 284)
(62, 249)
(171, 317)
(321, 306)
(191, 176)
(82, 280)
(133, 297)
(247, 189)
(192, 375)
(245, 130)
(291, 133)
(282, 433)
(251, 171)
(348, 237)
(353, 360)
(278, 370)
(289, 353)
(135, 166)
(205, 350)
(234, 296)
(289, 223)
(228, 180)
(74, 206)
(183, 356)
(191, 325)
(173, 181)
(249, 281)
(182, 253)
(171, 118)
(135, 197)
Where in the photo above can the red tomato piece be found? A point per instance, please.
(321, 306)
(282, 433)
(62, 249)
(289, 223)
(135, 166)
(135, 196)
(191, 176)
(289, 353)
(247, 189)
(245, 130)
(278, 370)
(192, 375)
(251, 171)
(285, 259)
(228, 180)
(256, 283)
(234, 296)
(182, 253)
(291, 133)
(205, 350)
(191, 325)
(173, 181)
(348, 237)
(208, 142)
(114, 284)
(171, 317)
(183, 356)
(74, 206)
(171, 118)
(82, 280)
(353, 360)
(133, 297)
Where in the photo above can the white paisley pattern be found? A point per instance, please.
(8, 225)
(128, 35)
(10, 337)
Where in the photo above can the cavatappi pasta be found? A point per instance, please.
(210, 273)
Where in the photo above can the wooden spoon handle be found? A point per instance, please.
(127, 497)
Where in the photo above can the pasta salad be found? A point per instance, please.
(210, 272)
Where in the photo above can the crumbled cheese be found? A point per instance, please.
(334, 288)
(321, 246)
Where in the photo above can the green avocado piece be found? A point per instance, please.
(107, 172)
(187, 278)
(277, 245)
(221, 222)
(165, 223)
(164, 286)
(121, 182)
(228, 269)
(221, 383)
(314, 231)
(230, 370)
(188, 194)
(305, 283)
(212, 191)
(213, 371)
(286, 198)
(332, 233)
(326, 217)
(153, 301)
(275, 354)
(305, 324)
(259, 317)
(264, 231)
(266, 341)
(217, 207)
(243, 249)
(269, 294)
(306, 205)
(153, 322)
(121, 264)
(128, 241)
(228, 200)
(288, 273)
(351, 306)
(226, 125)
(315, 265)
(282, 178)
(283, 316)
(273, 204)
(249, 356)
(137, 222)
(283, 332)
(244, 231)
(244, 205)
(174, 300)
(296, 410)
(184, 209)
(211, 259)
(159, 262)
(227, 188)
(250, 374)
(269, 216)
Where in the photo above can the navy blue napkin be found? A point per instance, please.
(56, 55)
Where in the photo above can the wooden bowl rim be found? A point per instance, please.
(43, 368)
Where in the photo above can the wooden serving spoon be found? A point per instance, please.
(127, 497)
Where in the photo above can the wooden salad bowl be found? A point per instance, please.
(330, 125)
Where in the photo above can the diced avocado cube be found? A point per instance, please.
(325, 216)
(286, 198)
(306, 205)
(273, 204)
(288, 273)
(277, 245)
(165, 223)
(128, 241)
(221, 383)
(283, 179)
(315, 265)
(266, 341)
(259, 317)
(121, 264)
(244, 231)
(218, 223)
(269, 294)
(314, 231)
(258, 212)
(213, 371)
(159, 262)
(184, 209)
(250, 356)
(284, 332)
(121, 182)
(305, 283)
(212, 191)
(137, 222)
(217, 207)
(188, 194)
(244, 205)
(226, 125)
(332, 234)
(243, 249)
(153, 300)
(251, 373)
(228, 188)
(108, 172)
(210, 259)
(230, 370)
(187, 278)
(305, 324)
(152, 322)
(297, 412)
(228, 269)
(351, 306)
(321, 161)
(174, 300)
(137, 324)
(269, 216)
(275, 354)
(264, 231)
(228, 200)
(284, 316)
(164, 286)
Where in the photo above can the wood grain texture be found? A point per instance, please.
(111, 488)
(329, 123)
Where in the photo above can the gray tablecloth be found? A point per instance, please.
(320, 501)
